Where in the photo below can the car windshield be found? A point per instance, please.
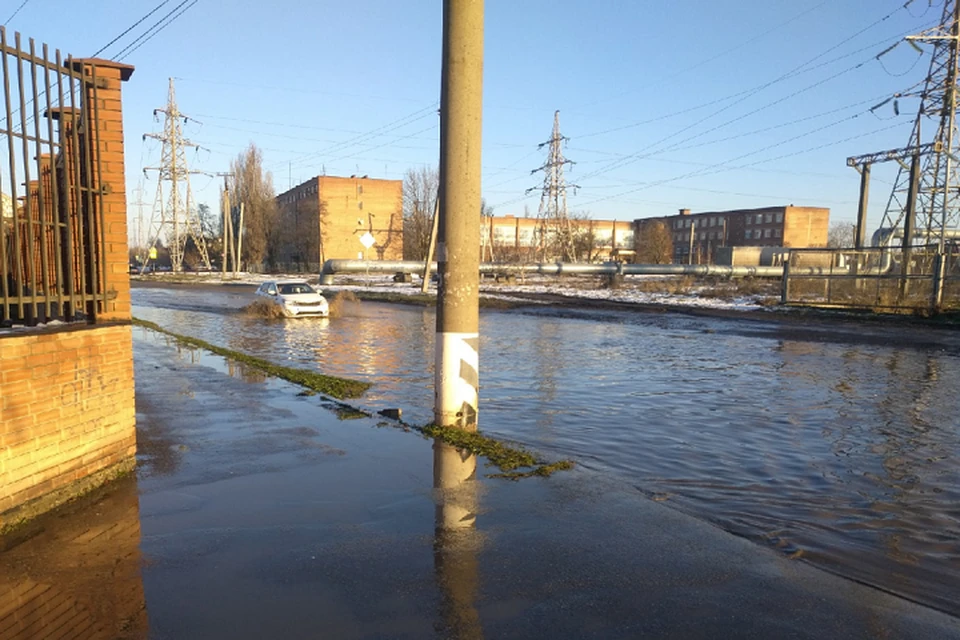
(287, 289)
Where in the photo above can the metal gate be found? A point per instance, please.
(882, 278)
(51, 219)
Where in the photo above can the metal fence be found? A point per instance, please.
(885, 279)
(51, 223)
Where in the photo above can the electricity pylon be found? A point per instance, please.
(553, 223)
(937, 206)
(175, 212)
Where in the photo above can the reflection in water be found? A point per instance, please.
(79, 576)
(456, 543)
(843, 447)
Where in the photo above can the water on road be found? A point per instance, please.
(837, 445)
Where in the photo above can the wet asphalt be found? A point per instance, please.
(256, 512)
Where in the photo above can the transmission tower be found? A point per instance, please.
(937, 207)
(175, 212)
(552, 220)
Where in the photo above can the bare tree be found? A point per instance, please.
(841, 235)
(251, 186)
(654, 245)
(419, 199)
(583, 228)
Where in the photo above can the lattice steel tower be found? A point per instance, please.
(937, 206)
(553, 222)
(175, 212)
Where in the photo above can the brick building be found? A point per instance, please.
(784, 226)
(325, 217)
(513, 237)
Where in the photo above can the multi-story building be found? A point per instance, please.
(705, 233)
(328, 217)
(510, 238)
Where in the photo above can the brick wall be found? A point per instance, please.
(67, 417)
(349, 200)
(108, 153)
(348, 207)
(66, 414)
(806, 227)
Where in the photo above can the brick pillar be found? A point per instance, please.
(107, 141)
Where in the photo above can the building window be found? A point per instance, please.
(779, 217)
(766, 233)
(776, 233)
(769, 218)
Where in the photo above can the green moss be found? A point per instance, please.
(514, 462)
(509, 459)
(329, 385)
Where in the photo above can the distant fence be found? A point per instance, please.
(886, 279)
(51, 221)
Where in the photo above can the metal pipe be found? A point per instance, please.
(332, 267)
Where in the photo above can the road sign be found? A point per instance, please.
(367, 240)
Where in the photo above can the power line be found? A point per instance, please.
(391, 126)
(755, 90)
(131, 28)
(14, 14)
(722, 167)
(721, 54)
(155, 29)
(797, 71)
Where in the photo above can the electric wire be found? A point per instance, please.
(14, 14)
(130, 28)
(140, 41)
(795, 70)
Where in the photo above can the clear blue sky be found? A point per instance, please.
(706, 105)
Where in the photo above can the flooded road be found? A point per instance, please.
(837, 445)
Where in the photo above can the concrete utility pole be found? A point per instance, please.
(458, 252)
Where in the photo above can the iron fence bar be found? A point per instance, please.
(17, 271)
(55, 226)
(86, 182)
(28, 202)
(97, 184)
(42, 197)
(75, 208)
(4, 289)
(66, 206)
(6, 49)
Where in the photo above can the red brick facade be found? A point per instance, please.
(67, 417)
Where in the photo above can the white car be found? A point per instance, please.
(295, 297)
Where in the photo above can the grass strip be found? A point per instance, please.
(330, 385)
(509, 459)
(514, 462)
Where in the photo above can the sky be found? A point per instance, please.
(706, 105)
